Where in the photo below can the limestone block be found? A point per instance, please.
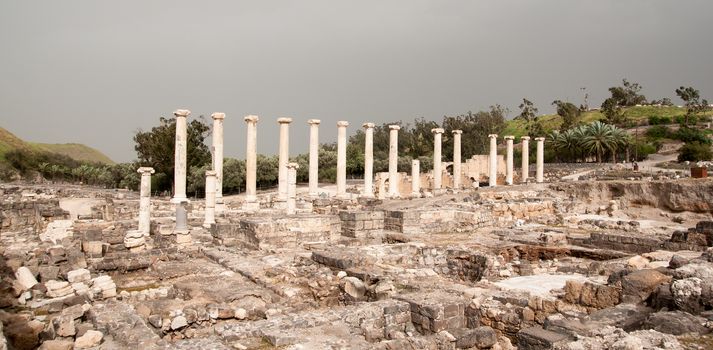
(90, 339)
(25, 278)
(79, 275)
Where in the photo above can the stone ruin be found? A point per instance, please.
(429, 264)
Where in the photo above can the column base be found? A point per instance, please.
(439, 191)
(251, 206)
(208, 224)
(367, 195)
(219, 207)
(179, 200)
(415, 194)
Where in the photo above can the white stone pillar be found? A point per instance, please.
(210, 197)
(456, 159)
(368, 160)
(284, 158)
(493, 177)
(437, 159)
(251, 160)
(145, 200)
(525, 140)
(180, 161)
(313, 157)
(415, 178)
(509, 160)
(539, 176)
(292, 188)
(394, 160)
(218, 159)
(342, 158)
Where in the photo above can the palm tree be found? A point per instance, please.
(599, 138)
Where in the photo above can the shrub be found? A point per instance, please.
(681, 119)
(691, 135)
(658, 132)
(643, 149)
(659, 120)
(695, 151)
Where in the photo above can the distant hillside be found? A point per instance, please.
(638, 113)
(10, 142)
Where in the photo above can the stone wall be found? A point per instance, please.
(16, 215)
(262, 232)
(362, 224)
(435, 221)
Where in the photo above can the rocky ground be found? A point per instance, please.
(611, 261)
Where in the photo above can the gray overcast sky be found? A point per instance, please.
(94, 72)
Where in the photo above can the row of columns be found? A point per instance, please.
(216, 175)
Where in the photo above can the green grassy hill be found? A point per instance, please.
(636, 114)
(10, 142)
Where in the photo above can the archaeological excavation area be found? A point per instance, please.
(609, 258)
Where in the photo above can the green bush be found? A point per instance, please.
(642, 150)
(695, 151)
(658, 132)
(691, 135)
(659, 120)
(681, 119)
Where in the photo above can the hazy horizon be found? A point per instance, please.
(94, 73)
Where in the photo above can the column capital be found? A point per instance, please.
(251, 118)
(342, 123)
(493, 136)
(181, 113)
(368, 125)
(284, 120)
(293, 166)
(211, 173)
(526, 138)
(539, 138)
(314, 122)
(394, 127)
(457, 132)
(509, 137)
(437, 130)
(218, 116)
(145, 170)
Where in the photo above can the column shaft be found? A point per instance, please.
(251, 159)
(415, 178)
(525, 140)
(284, 157)
(180, 161)
(145, 200)
(456, 159)
(342, 158)
(539, 176)
(493, 176)
(437, 158)
(368, 160)
(218, 158)
(509, 159)
(292, 188)
(314, 157)
(210, 196)
(394, 160)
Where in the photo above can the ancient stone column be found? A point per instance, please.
(394, 160)
(415, 178)
(437, 161)
(251, 161)
(539, 176)
(218, 159)
(525, 140)
(180, 163)
(509, 160)
(292, 188)
(493, 176)
(210, 197)
(145, 200)
(313, 157)
(456, 159)
(368, 160)
(284, 158)
(342, 158)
